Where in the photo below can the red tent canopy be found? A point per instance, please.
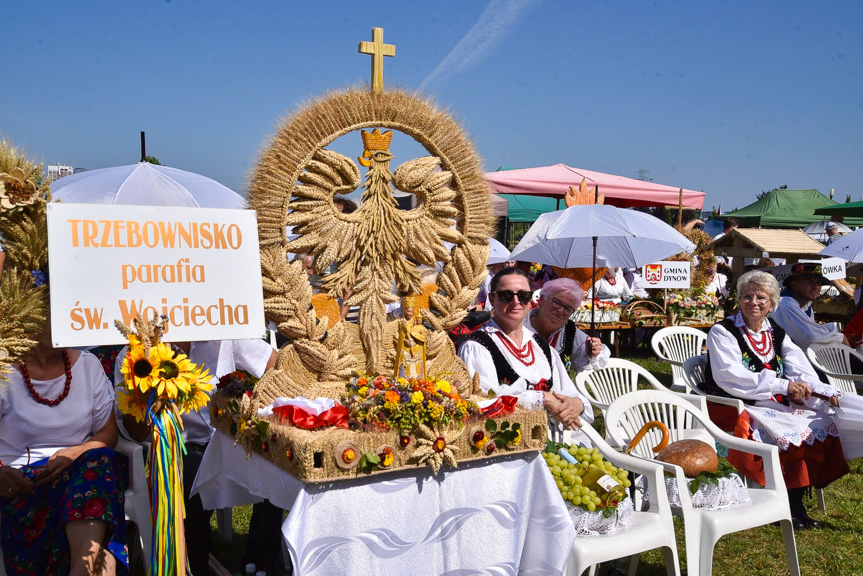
(554, 181)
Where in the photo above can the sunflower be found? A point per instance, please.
(175, 373)
(138, 369)
(196, 399)
(130, 405)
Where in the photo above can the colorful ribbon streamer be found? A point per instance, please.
(168, 555)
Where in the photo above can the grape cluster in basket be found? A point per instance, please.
(569, 476)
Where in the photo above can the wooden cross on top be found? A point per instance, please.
(377, 50)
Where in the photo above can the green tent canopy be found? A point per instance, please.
(785, 209)
(843, 212)
(523, 208)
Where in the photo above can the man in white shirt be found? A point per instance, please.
(558, 299)
(794, 313)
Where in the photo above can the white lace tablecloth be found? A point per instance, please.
(503, 517)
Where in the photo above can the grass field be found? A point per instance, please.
(835, 550)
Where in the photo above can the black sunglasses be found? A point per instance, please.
(505, 296)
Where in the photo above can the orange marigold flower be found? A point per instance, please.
(392, 396)
(349, 455)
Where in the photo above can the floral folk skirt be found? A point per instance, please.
(32, 531)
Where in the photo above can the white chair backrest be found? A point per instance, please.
(628, 414)
(694, 370)
(675, 344)
(835, 360)
(617, 378)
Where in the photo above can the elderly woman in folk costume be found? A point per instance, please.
(753, 359)
(512, 360)
(558, 300)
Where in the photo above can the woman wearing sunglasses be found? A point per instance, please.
(513, 360)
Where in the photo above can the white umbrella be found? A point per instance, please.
(849, 247)
(625, 238)
(498, 253)
(586, 235)
(145, 184)
(818, 230)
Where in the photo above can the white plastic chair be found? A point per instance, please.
(645, 531)
(703, 528)
(694, 370)
(616, 378)
(835, 361)
(674, 345)
(138, 496)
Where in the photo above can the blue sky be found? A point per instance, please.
(728, 97)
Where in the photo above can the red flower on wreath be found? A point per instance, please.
(439, 444)
(404, 441)
(94, 508)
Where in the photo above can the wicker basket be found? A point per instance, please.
(645, 313)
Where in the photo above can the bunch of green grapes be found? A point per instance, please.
(568, 468)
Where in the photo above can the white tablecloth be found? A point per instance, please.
(502, 517)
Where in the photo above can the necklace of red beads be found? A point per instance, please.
(36, 395)
(524, 354)
(763, 346)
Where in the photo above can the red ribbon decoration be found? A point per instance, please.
(501, 407)
(541, 386)
(296, 416)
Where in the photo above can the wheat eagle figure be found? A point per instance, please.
(377, 246)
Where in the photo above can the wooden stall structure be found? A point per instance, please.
(742, 243)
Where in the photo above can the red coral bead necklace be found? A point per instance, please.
(524, 354)
(763, 346)
(41, 399)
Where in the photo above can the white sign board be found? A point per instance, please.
(199, 267)
(666, 274)
(831, 268)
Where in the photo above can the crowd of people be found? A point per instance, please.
(61, 497)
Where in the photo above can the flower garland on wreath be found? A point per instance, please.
(158, 386)
(24, 193)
